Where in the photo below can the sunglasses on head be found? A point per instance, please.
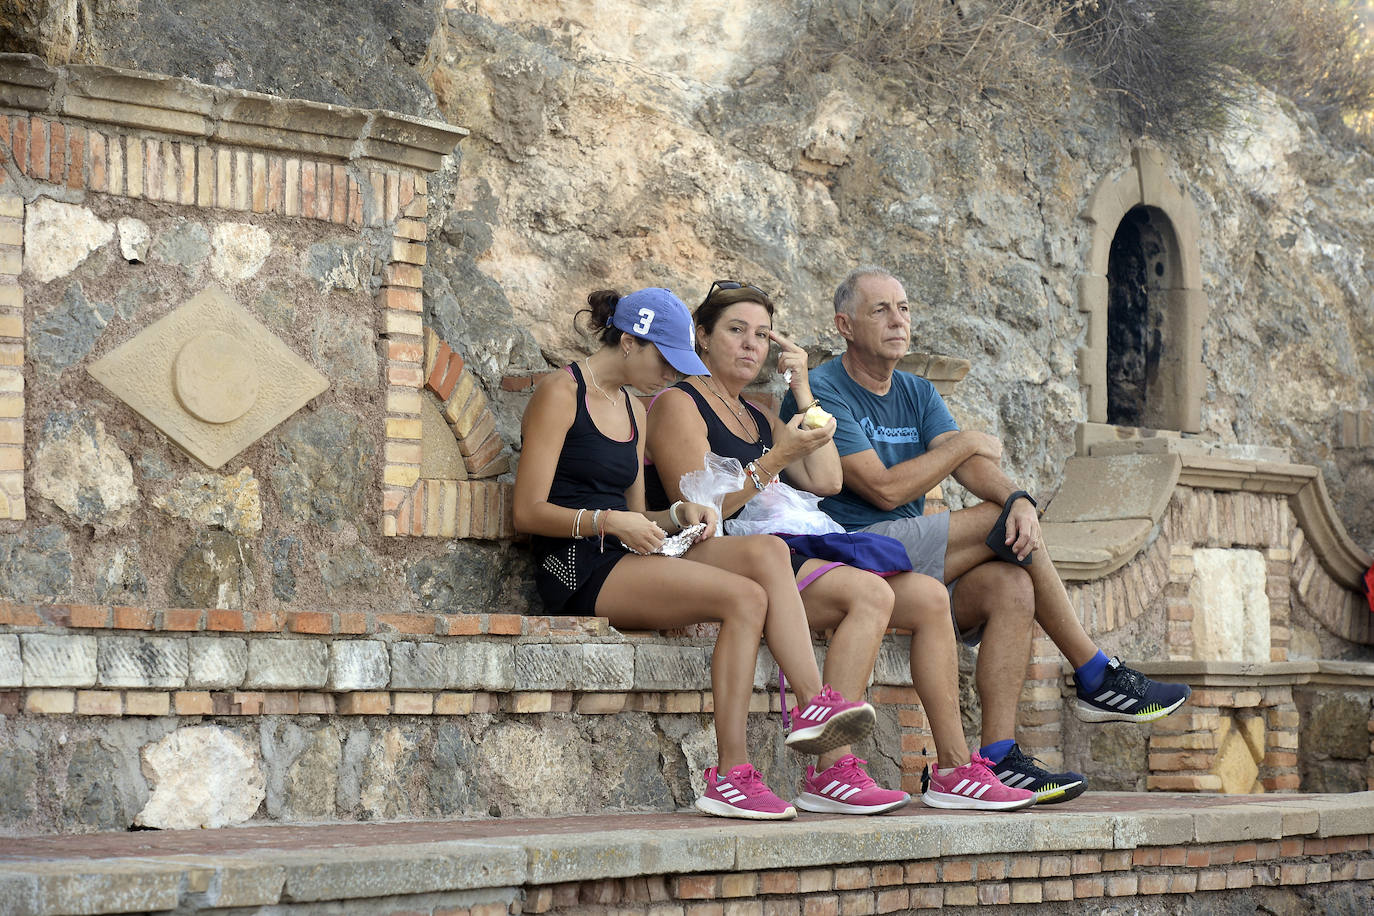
(727, 285)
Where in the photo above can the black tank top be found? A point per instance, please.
(594, 470)
(719, 439)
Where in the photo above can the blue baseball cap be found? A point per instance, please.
(657, 315)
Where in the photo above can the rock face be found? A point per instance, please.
(350, 52)
(202, 776)
(681, 155)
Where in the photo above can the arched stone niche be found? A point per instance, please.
(1141, 206)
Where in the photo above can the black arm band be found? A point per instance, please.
(1021, 494)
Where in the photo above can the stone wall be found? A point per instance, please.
(144, 218)
(112, 717)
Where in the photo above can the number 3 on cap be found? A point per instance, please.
(646, 318)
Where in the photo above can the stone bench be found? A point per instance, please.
(346, 700)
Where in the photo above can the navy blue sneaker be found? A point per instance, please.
(1126, 695)
(1020, 772)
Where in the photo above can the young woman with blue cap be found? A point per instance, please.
(579, 492)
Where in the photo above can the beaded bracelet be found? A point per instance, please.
(753, 469)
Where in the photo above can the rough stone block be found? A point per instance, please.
(359, 664)
(217, 662)
(893, 666)
(607, 667)
(142, 661)
(11, 670)
(58, 661)
(672, 667)
(281, 664)
(470, 666)
(548, 666)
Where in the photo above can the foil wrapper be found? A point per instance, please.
(677, 544)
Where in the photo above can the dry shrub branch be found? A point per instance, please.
(942, 51)
(1178, 68)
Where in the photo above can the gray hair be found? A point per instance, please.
(848, 291)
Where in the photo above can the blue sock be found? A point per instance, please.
(1089, 675)
(996, 750)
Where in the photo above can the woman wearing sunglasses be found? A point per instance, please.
(734, 326)
(579, 491)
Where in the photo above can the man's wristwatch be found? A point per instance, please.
(1021, 494)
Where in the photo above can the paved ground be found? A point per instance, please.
(509, 859)
(240, 840)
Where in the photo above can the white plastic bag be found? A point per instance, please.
(709, 485)
(783, 509)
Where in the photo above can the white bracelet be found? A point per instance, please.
(577, 524)
(672, 514)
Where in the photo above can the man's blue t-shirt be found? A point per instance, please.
(898, 426)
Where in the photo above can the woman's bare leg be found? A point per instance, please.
(765, 559)
(659, 592)
(922, 607)
(856, 604)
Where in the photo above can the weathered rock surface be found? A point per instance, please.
(216, 570)
(58, 237)
(469, 577)
(349, 52)
(83, 471)
(35, 563)
(203, 776)
(134, 239)
(325, 464)
(60, 336)
(121, 580)
(231, 502)
(238, 250)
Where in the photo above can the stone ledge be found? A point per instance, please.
(1093, 527)
(184, 107)
(1106, 845)
(402, 660)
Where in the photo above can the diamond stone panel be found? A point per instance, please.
(210, 376)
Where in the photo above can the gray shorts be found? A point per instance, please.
(926, 538)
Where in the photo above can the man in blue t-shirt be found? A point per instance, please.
(897, 440)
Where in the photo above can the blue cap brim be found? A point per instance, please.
(684, 361)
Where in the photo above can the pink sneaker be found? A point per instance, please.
(742, 793)
(973, 787)
(829, 721)
(844, 788)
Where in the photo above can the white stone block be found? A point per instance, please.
(11, 670)
(142, 661)
(1230, 605)
(217, 662)
(203, 776)
(359, 664)
(287, 664)
(58, 661)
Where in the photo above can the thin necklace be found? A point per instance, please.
(758, 436)
(592, 375)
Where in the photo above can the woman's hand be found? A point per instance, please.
(635, 531)
(793, 359)
(793, 441)
(692, 513)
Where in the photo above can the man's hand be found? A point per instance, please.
(1023, 529)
